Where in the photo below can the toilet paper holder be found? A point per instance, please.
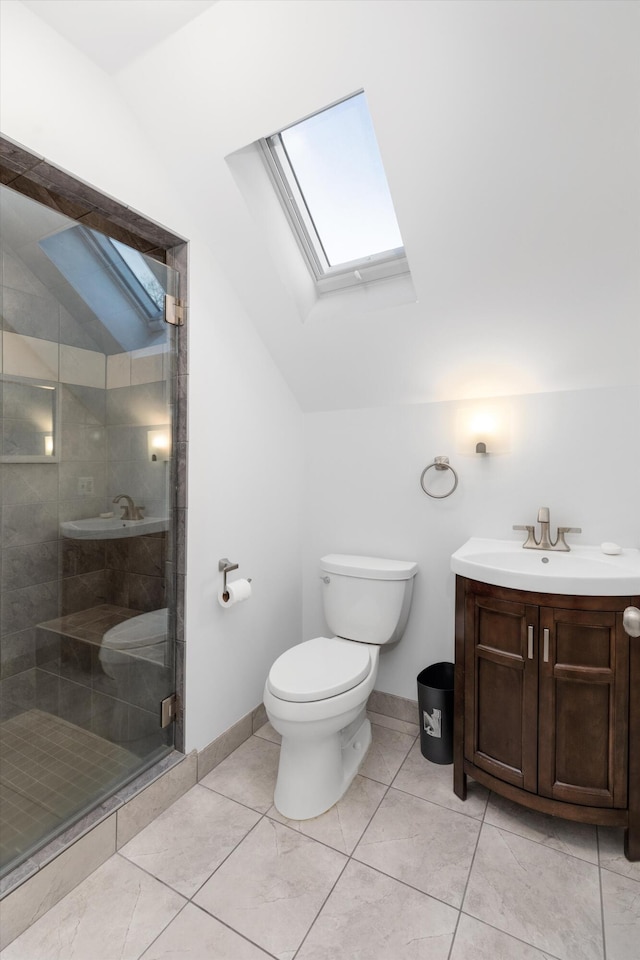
(225, 566)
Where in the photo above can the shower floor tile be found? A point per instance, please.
(50, 769)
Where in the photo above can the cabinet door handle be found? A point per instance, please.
(545, 648)
(631, 621)
(530, 642)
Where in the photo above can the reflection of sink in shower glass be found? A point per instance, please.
(111, 528)
(142, 638)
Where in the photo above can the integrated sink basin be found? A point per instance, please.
(584, 571)
(111, 528)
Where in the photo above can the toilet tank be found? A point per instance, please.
(367, 598)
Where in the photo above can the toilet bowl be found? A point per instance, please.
(316, 693)
(140, 638)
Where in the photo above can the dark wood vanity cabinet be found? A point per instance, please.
(543, 714)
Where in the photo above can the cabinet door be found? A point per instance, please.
(501, 689)
(584, 682)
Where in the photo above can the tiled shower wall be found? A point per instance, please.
(107, 406)
(35, 497)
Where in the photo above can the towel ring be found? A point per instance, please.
(440, 463)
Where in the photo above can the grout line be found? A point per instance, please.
(602, 924)
(464, 892)
(436, 803)
(323, 843)
(543, 952)
(189, 900)
(232, 929)
(565, 853)
(137, 866)
(160, 932)
(409, 886)
(321, 907)
(242, 839)
(349, 859)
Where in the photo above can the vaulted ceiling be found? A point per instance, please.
(508, 135)
(113, 34)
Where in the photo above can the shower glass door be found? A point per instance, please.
(87, 596)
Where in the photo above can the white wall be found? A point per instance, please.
(245, 427)
(571, 451)
(245, 476)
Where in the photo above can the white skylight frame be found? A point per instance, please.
(376, 266)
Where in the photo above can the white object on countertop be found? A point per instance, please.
(611, 549)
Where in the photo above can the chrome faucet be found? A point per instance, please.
(545, 542)
(129, 511)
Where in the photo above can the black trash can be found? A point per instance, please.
(435, 710)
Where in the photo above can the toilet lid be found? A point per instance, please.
(142, 631)
(318, 669)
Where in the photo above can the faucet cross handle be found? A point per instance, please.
(531, 541)
(561, 543)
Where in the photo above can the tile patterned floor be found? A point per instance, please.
(40, 782)
(400, 869)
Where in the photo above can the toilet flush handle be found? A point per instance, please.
(326, 579)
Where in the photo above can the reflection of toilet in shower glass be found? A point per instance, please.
(140, 638)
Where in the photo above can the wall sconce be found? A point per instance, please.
(159, 445)
(48, 445)
(484, 428)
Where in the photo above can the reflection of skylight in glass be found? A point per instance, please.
(138, 266)
(332, 184)
(115, 282)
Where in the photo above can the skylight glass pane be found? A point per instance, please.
(337, 164)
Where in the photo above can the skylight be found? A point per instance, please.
(329, 174)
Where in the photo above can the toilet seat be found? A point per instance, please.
(143, 630)
(319, 669)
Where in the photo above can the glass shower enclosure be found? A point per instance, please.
(87, 595)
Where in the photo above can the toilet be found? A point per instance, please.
(141, 638)
(316, 692)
